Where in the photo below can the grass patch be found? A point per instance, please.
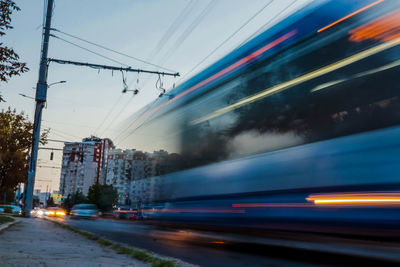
(6, 219)
(138, 254)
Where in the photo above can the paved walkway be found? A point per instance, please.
(36, 242)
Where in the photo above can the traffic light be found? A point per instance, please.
(51, 155)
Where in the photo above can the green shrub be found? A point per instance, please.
(5, 219)
(7, 210)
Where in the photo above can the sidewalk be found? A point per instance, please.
(36, 242)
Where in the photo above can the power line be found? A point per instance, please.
(248, 21)
(188, 31)
(116, 117)
(267, 23)
(111, 50)
(108, 114)
(227, 39)
(63, 133)
(60, 141)
(173, 27)
(86, 49)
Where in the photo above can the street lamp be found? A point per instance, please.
(52, 84)
(35, 89)
(55, 83)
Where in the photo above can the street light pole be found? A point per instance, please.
(41, 93)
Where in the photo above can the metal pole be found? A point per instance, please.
(41, 93)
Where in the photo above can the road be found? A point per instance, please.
(207, 248)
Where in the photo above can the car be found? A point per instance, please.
(14, 208)
(84, 211)
(38, 212)
(55, 212)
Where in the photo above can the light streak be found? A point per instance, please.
(351, 199)
(349, 15)
(384, 28)
(219, 74)
(201, 210)
(271, 205)
(301, 79)
(359, 75)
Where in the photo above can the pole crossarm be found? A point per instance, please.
(98, 66)
(50, 148)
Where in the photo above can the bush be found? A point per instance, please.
(8, 210)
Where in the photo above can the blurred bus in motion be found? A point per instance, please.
(299, 128)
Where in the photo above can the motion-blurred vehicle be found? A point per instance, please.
(38, 212)
(123, 212)
(296, 129)
(54, 212)
(84, 211)
(14, 209)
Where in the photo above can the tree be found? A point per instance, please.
(9, 64)
(15, 142)
(50, 202)
(71, 200)
(102, 195)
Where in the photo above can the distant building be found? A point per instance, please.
(83, 164)
(126, 171)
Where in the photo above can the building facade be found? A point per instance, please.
(83, 164)
(128, 171)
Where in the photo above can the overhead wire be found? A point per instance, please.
(227, 39)
(112, 50)
(86, 49)
(164, 39)
(262, 28)
(248, 21)
(173, 27)
(188, 31)
(108, 114)
(116, 117)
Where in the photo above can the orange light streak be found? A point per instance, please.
(367, 198)
(349, 15)
(271, 205)
(386, 28)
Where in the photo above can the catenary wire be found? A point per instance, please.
(86, 49)
(268, 22)
(112, 50)
(227, 39)
(108, 114)
(262, 27)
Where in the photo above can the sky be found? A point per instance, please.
(174, 34)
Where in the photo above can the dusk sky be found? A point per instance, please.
(175, 34)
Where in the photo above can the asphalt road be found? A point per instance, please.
(206, 248)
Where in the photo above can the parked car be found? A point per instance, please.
(14, 208)
(84, 211)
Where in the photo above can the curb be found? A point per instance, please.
(5, 226)
(138, 254)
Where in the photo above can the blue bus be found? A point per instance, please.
(297, 129)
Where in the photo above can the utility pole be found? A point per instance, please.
(41, 94)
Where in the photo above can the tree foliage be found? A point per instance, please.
(9, 64)
(71, 200)
(15, 142)
(50, 202)
(103, 196)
